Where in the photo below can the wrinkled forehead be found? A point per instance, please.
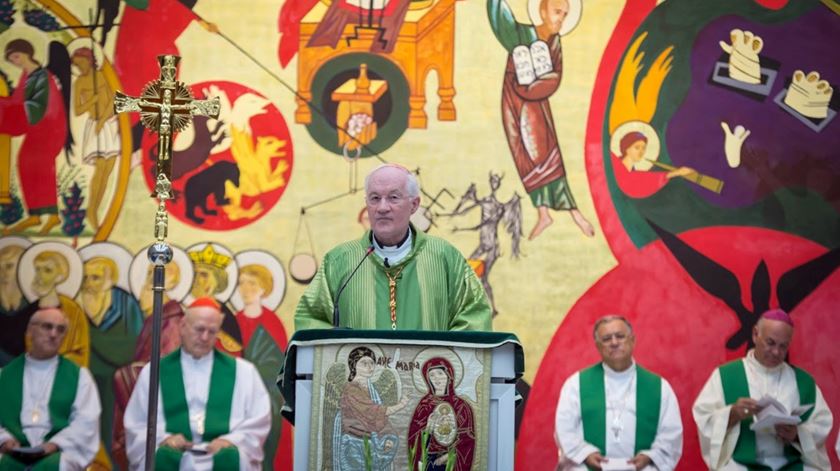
(387, 180)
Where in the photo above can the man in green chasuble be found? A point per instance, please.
(49, 407)
(738, 391)
(214, 411)
(616, 413)
(410, 281)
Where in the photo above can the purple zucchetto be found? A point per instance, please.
(778, 315)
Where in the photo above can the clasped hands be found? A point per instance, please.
(745, 408)
(10, 444)
(639, 461)
(180, 443)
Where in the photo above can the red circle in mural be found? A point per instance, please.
(227, 172)
(682, 330)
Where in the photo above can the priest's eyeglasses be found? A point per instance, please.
(620, 337)
(392, 199)
(49, 326)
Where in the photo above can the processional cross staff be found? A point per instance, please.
(166, 106)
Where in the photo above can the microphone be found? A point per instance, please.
(344, 285)
(385, 262)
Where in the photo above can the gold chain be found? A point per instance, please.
(392, 291)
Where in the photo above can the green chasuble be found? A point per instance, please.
(60, 406)
(217, 411)
(435, 289)
(593, 407)
(733, 377)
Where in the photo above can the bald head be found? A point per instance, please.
(772, 340)
(46, 330)
(199, 328)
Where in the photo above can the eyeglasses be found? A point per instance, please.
(620, 337)
(49, 326)
(392, 199)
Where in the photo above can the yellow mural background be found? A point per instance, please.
(532, 293)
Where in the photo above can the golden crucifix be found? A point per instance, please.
(166, 106)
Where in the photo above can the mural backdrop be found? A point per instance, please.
(675, 162)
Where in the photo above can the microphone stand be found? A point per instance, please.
(336, 316)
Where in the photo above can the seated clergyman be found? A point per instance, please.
(738, 390)
(214, 411)
(617, 412)
(49, 407)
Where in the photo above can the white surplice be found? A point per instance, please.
(620, 391)
(79, 441)
(250, 414)
(712, 417)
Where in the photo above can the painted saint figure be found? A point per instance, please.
(264, 342)
(52, 268)
(115, 322)
(93, 96)
(37, 111)
(364, 419)
(443, 421)
(633, 167)
(526, 112)
(14, 308)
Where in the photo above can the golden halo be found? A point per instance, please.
(36, 37)
(652, 150)
(569, 23)
(79, 43)
(26, 269)
(343, 353)
(270, 300)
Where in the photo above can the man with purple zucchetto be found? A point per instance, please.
(735, 425)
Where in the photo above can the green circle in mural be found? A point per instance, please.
(390, 111)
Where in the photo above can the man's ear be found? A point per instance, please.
(415, 204)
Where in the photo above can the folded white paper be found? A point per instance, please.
(774, 412)
(617, 464)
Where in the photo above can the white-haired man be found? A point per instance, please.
(414, 281)
(729, 400)
(214, 411)
(49, 412)
(615, 412)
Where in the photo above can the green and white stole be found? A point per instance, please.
(177, 414)
(60, 406)
(593, 407)
(733, 376)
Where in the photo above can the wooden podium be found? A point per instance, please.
(368, 399)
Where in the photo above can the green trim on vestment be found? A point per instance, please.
(60, 406)
(217, 411)
(733, 378)
(593, 407)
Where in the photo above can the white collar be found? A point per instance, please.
(393, 254)
(611, 373)
(41, 364)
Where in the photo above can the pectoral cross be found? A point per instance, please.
(166, 106)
